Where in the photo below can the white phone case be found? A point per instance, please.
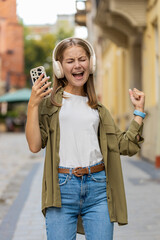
(35, 74)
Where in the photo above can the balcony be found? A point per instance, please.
(122, 19)
(82, 7)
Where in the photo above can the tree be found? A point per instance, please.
(38, 52)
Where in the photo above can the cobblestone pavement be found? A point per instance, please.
(20, 194)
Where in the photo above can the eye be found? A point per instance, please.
(69, 61)
(83, 59)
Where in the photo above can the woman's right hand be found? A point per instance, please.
(33, 133)
(38, 93)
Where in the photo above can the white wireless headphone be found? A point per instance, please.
(57, 67)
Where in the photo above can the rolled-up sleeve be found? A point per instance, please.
(128, 142)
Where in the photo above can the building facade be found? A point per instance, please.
(65, 21)
(126, 38)
(11, 48)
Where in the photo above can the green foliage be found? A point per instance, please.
(10, 113)
(38, 51)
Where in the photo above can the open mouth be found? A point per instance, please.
(78, 75)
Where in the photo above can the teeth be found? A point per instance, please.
(78, 73)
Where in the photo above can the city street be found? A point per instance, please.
(20, 194)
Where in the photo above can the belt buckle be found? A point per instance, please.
(77, 174)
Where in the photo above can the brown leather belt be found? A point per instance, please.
(79, 171)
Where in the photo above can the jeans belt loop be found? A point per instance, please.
(89, 171)
(70, 172)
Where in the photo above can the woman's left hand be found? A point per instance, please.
(137, 98)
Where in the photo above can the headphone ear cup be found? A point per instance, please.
(92, 65)
(58, 70)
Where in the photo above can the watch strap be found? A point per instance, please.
(139, 113)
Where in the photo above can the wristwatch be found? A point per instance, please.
(139, 113)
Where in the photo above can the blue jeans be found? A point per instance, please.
(86, 196)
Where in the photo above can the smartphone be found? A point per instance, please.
(35, 74)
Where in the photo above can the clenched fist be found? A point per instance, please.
(137, 98)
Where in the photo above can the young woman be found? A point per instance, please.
(82, 180)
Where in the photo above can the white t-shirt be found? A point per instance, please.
(79, 145)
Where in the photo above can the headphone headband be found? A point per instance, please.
(58, 71)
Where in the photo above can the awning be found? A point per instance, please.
(21, 95)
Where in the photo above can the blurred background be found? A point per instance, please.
(126, 37)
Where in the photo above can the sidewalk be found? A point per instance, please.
(142, 184)
(24, 220)
(31, 225)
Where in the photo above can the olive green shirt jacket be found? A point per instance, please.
(113, 142)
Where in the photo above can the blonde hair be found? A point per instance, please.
(58, 83)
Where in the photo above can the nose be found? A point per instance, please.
(77, 64)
